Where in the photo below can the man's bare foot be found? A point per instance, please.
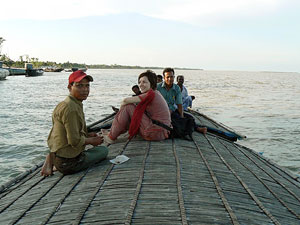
(105, 135)
(202, 130)
(47, 168)
(107, 139)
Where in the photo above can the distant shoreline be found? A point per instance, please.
(69, 65)
(134, 67)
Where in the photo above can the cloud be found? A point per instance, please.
(187, 11)
(206, 12)
(54, 9)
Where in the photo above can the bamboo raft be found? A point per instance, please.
(210, 180)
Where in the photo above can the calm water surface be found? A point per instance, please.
(264, 106)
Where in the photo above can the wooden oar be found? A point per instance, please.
(102, 120)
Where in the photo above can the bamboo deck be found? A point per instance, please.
(210, 180)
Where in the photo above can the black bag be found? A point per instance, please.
(182, 127)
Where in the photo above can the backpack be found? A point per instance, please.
(182, 127)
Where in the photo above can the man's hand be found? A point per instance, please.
(95, 141)
(92, 134)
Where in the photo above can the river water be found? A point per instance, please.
(264, 106)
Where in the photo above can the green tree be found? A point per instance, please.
(6, 60)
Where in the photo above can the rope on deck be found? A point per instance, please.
(63, 198)
(96, 190)
(24, 192)
(258, 178)
(218, 187)
(138, 188)
(179, 188)
(294, 180)
(253, 196)
(38, 199)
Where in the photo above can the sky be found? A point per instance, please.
(247, 35)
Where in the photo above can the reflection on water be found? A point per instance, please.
(263, 106)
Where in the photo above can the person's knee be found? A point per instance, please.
(129, 107)
(105, 151)
(125, 112)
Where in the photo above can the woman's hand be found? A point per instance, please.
(130, 100)
(123, 102)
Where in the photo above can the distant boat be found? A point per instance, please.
(68, 70)
(34, 72)
(82, 69)
(52, 69)
(3, 72)
(31, 72)
(16, 71)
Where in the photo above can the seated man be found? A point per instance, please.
(136, 90)
(172, 94)
(186, 99)
(159, 78)
(68, 136)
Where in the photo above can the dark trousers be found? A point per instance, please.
(81, 162)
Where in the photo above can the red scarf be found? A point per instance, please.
(139, 112)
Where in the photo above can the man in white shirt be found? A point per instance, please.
(186, 99)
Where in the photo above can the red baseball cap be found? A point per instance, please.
(78, 75)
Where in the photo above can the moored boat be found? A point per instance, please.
(16, 71)
(34, 72)
(13, 71)
(209, 180)
(31, 72)
(82, 69)
(3, 72)
(53, 69)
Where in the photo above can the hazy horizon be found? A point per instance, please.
(248, 35)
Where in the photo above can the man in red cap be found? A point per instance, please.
(68, 136)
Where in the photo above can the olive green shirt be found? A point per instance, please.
(68, 133)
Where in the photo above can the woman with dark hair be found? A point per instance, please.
(133, 118)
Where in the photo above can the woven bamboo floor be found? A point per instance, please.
(210, 180)
(206, 181)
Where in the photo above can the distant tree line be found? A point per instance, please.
(116, 66)
(20, 63)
